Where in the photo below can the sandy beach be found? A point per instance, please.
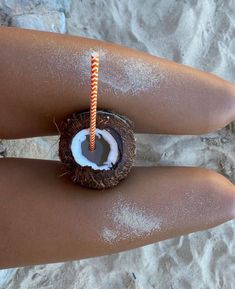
(198, 33)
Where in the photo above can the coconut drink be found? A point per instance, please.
(97, 148)
(114, 153)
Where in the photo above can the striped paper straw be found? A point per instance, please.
(93, 98)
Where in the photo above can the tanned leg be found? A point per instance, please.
(46, 76)
(45, 218)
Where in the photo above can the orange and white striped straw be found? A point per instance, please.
(93, 98)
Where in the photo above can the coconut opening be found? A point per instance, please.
(105, 155)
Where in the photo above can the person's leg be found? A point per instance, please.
(46, 76)
(46, 218)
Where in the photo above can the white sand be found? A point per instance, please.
(128, 220)
(199, 33)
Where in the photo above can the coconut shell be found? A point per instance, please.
(120, 127)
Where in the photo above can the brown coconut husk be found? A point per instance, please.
(120, 127)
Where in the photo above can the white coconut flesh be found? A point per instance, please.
(78, 153)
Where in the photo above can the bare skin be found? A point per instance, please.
(44, 217)
(45, 77)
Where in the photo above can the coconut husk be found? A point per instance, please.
(120, 127)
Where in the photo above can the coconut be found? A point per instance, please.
(114, 153)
